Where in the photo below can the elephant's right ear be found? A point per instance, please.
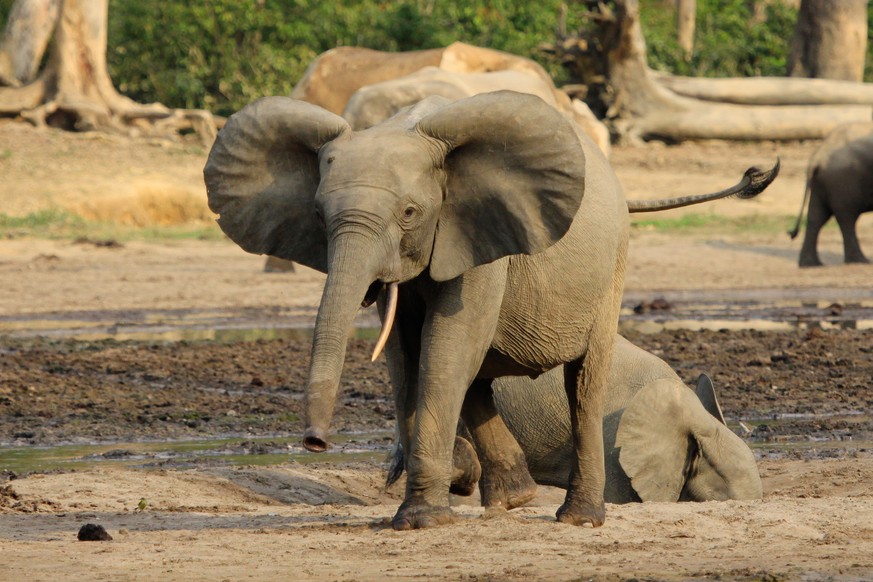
(262, 174)
(706, 393)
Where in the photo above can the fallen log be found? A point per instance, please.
(770, 90)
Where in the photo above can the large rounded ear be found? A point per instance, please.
(672, 448)
(515, 176)
(262, 174)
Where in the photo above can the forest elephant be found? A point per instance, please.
(839, 183)
(662, 440)
(490, 230)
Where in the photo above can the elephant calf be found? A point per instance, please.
(839, 183)
(663, 441)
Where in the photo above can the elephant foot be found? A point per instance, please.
(857, 260)
(419, 515)
(466, 469)
(582, 514)
(809, 262)
(507, 486)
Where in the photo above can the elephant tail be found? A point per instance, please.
(753, 183)
(395, 465)
(793, 232)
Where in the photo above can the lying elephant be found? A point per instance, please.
(839, 183)
(662, 440)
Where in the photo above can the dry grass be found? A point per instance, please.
(150, 204)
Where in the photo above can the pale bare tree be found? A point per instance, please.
(830, 40)
(686, 13)
(609, 60)
(74, 90)
(27, 33)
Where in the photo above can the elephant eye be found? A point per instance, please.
(409, 212)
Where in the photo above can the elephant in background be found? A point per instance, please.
(839, 183)
(491, 228)
(375, 103)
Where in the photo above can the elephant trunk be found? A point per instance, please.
(350, 274)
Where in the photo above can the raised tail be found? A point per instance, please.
(753, 183)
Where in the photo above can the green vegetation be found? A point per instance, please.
(61, 224)
(221, 54)
(728, 41)
(715, 224)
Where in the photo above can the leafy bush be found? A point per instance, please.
(728, 42)
(221, 54)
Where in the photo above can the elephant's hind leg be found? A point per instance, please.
(818, 214)
(584, 501)
(586, 381)
(505, 480)
(851, 247)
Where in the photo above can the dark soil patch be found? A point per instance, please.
(814, 383)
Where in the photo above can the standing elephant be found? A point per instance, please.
(839, 183)
(662, 440)
(493, 229)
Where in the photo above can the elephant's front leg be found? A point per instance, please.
(458, 329)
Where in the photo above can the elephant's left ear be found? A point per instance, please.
(653, 439)
(515, 173)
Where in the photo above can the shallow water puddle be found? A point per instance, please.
(189, 453)
(252, 324)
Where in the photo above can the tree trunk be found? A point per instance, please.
(611, 61)
(28, 29)
(830, 40)
(74, 91)
(686, 11)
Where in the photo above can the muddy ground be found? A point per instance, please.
(140, 341)
(815, 383)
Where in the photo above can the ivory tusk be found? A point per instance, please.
(390, 311)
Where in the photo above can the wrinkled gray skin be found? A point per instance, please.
(839, 184)
(662, 441)
(503, 224)
(504, 227)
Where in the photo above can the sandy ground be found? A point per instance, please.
(234, 523)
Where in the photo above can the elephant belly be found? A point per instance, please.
(540, 329)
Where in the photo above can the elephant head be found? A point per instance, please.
(436, 190)
(675, 446)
